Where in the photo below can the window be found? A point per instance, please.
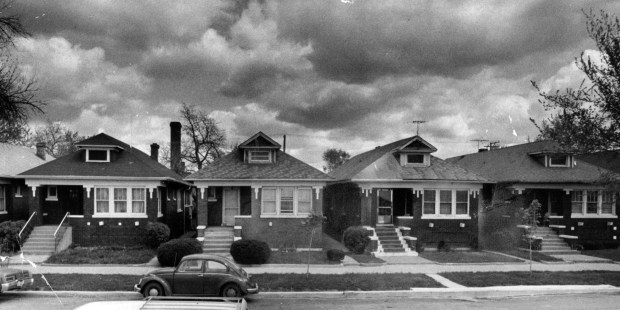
(187, 197)
(211, 194)
(415, 158)
(52, 193)
(18, 191)
(586, 203)
(126, 202)
(558, 161)
(260, 156)
(213, 266)
(179, 198)
(98, 156)
(191, 266)
(2, 198)
(445, 203)
(286, 201)
(159, 213)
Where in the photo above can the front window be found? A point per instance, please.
(260, 156)
(2, 199)
(97, 155)
(445, 203)
(126, 202)
(286, 201)
(586, 203)
(52, 193)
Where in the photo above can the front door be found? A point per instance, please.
(384, 206)
(230, 205)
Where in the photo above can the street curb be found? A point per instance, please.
(414, 293)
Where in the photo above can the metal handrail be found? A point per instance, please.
(26, 225)
(58, 229)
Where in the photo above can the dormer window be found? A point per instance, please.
(559, 161)
(259, 156)
(97, 156)
(415, 158)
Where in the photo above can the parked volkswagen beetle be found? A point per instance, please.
(198, 275)
(15, 279)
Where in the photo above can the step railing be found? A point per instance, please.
(29, 224)
(57, 235)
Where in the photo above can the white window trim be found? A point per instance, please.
(453, 215)
(296, 213)
(88, 160)
(3, 197)
(159, 213)
(49, 197)
(566, 162)
(255, 161)
(18, 191)
(179, 195)
(112, 213)
(599, 207)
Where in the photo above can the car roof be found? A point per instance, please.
(204, 256)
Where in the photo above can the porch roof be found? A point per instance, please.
(382, 163)
(514, 164)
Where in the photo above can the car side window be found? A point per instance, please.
(190, 266)
(213, 266)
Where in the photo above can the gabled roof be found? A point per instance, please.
(102, 140)
(609, 160)
(15, 159)
(518, 164)
(417, 144)
(130, 162)
(383, 163)
(232, 167)
(260, 140)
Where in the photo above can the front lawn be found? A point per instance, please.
(468, 257)
(613, 254)
(536, 256)
(366, 258)
(315, 257)
(267, 282)
(483, 279)
(103, 255)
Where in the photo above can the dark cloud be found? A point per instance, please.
(254, 79)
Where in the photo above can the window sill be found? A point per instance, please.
(4, 212)
(160, 214)
(51, 199)
(291, 216)
(556, 216)
(593, 216)
(18, 196)
(76, 216)
(446, 217)
(120, 216)
(179, 211)
(243, 216)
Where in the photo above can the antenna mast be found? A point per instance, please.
(479, 140)
(417, 130)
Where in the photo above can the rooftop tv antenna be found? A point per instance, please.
(479, 140)
(417, 129)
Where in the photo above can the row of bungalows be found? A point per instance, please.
(108, 192)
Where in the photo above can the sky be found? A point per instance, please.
(347, 74)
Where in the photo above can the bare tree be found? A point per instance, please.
(59, 140)
(203, 140)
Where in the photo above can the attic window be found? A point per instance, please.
(101, 156)
(260, 157)
(558, 161)
(415, 158)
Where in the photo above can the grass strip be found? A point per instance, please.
(483, 279)
(316, 257)
(267, 282)
(536, 256)
(468, 257)
(613, 254)
(366, 258)
(103, 255)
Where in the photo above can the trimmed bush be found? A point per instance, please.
(156, 234)
(356, 239)
(335, 255)
(9, 231)
(169, 254)
(247, 251)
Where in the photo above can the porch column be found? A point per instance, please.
(202, 205)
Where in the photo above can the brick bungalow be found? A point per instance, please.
(108, 191)
(405, 195)
(575, 197)
(262, 192)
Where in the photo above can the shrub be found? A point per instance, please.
(9, 231)
(536, 243)
(335, 255)
(247, 251)
(356, 239)
(169, 254)
(443, 246)
(156, 234)
(419, 246)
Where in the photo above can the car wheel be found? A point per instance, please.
(231, 290)
(153, 289)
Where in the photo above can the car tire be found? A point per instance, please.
(153, 289)
(231, 290)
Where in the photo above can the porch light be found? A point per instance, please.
(572, 228)
(120, 224)
(615, 228)
(610, 223)
(87, 223)
(431, 225)
(462, 225)
(615, 237)
(137, 223)
(579, 223)
(100, 223)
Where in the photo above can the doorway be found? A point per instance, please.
(230, 205)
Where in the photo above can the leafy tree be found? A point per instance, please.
(17, 92)
(334, 158)
(587, 118)
(16, 132)
(59, 140)
(203, 141)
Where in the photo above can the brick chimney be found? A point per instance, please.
(155, 151)
(41, 150)
(175, 146)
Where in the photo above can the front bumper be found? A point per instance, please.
(17, 285)
(137, 289)
(253, 290)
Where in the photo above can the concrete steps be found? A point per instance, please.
(391, 243)
(217, 240)
(41, 241)
(552, 244)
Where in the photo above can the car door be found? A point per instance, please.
(188, 278)
(216, 273)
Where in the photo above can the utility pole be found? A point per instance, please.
(417, 130)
